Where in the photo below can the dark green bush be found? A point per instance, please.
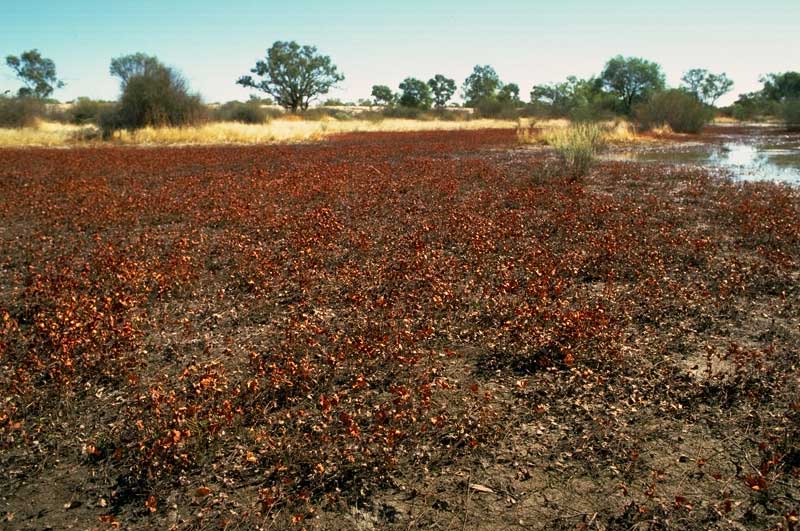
(110, 121)
(680, 110)
(791, 113)
(450, 115)
(400, 111)
(159, 98)
(86, 111)
(495, 108)
(247, 113)
(20, 112)
(754, 106)
(319, 113)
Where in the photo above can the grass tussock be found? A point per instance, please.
(45, 134)
(542, 131)
(577, 145)
(284, 130)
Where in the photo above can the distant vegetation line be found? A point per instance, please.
(291, 76)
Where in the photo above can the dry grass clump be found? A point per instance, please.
(284, 130)
(292, 130)
(48, 134)
(725, 120)
(577, 145)
(613, 131)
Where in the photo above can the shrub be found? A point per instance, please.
(236, 111)
(333, 102)
(450, 115)
(495, 108)
(680, 110)
(322, 113)
(159, 98)
(110, 121)
(577, 145)
(20, 112)
(86, 111)
(791, 113)
(401, 111)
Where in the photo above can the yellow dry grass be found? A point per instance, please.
(725, 120)
(539, 132)
(276, 131)
(42, 134)
(287, 131)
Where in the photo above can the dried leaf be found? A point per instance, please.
(480, 488)
(151, 504)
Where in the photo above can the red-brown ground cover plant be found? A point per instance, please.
(418, 330)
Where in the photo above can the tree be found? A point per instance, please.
(136, 64)
(632, 79)
(383, 95)
(482, 84)
(693, 81)
(415, 93)
(580, 99)
(442, 88)
(293, 74)
(509, 93)
(705, 86)
(561, 97)
(781, 87)
(36, 72)
(153, 94)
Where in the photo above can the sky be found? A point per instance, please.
(381, 42)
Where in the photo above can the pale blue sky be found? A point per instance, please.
(382, 42)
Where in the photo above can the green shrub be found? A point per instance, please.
(20, 112)
(321, 113)
(110, 121)
(577, 146)
(401, 111)
(791, 114)
(677, 108)
(235, 111)
(450, 115)
(85, 111)
(600, 107)
(495, 108)
(371, 116)
(159, 98)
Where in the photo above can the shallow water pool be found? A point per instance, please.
(750, 161)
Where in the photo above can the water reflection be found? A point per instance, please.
(746, 161)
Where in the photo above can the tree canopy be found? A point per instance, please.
(632, 79)
(36, 72)
(293, 74)
(482, 84)
(153, 94)
(415, 93)
(705, 86)
(780, 87)
(509, 93)
(383, 95)
(442, 88)
(136, 64)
